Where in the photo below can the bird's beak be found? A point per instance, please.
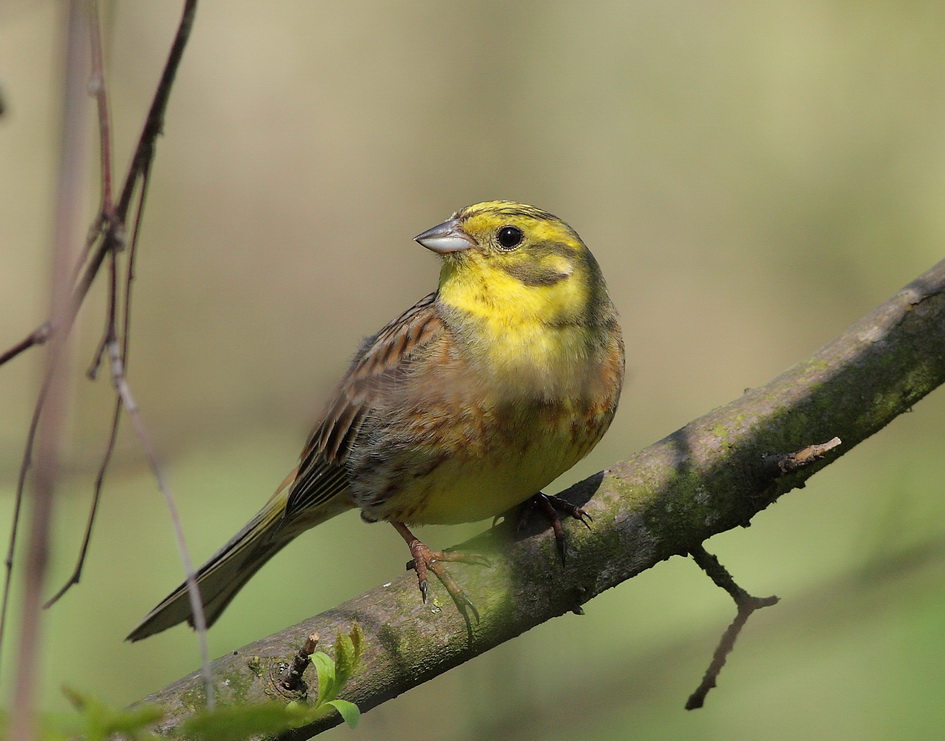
(445, 238)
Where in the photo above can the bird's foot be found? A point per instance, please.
(550, 506)
(425, 560)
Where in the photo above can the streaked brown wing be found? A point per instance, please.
(321, 471)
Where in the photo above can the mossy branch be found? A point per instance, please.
(712, 475)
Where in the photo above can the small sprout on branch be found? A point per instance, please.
(332, 674)
(784, 463)
(300, 663)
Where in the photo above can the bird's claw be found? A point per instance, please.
(425, 560)
(550, 506)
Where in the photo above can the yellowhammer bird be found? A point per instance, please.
(464, 406)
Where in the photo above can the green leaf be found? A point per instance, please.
(348, 710)
(344, 659)
(347, 654)
(101, 721)
(357, 640)
(300, 714)
(325, 668)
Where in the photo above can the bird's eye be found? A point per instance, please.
(509, 237)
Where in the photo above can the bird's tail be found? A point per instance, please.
(228, 570)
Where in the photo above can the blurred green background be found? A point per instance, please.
(752, 178)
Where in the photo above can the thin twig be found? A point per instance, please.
(125, 337)
(196, 603)
(300, 662)
(112, 232)
(98, 89)
(69, 191)
(746, 603)
(25, 465)
(108, 336)
(107, 236)
(37, 337)
(76, 575)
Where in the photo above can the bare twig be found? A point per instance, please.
(67, 215)
(772, 467)
(196, 604)
(25, 465)
(783, 464)
(98, 89)
(108, 337)
(300, 662)
(106, 239)
(617, 685)
(76, 575)
(746, 603)
(37, 337)
(125, 336)
(112, 231)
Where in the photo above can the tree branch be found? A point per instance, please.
(712, 475)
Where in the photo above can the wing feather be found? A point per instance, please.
(322, 473)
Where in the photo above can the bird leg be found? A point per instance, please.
(550, 506)
(426, 560)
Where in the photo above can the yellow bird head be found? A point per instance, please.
(503, 258)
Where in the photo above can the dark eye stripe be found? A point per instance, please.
(557, 248)
(534, 276)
